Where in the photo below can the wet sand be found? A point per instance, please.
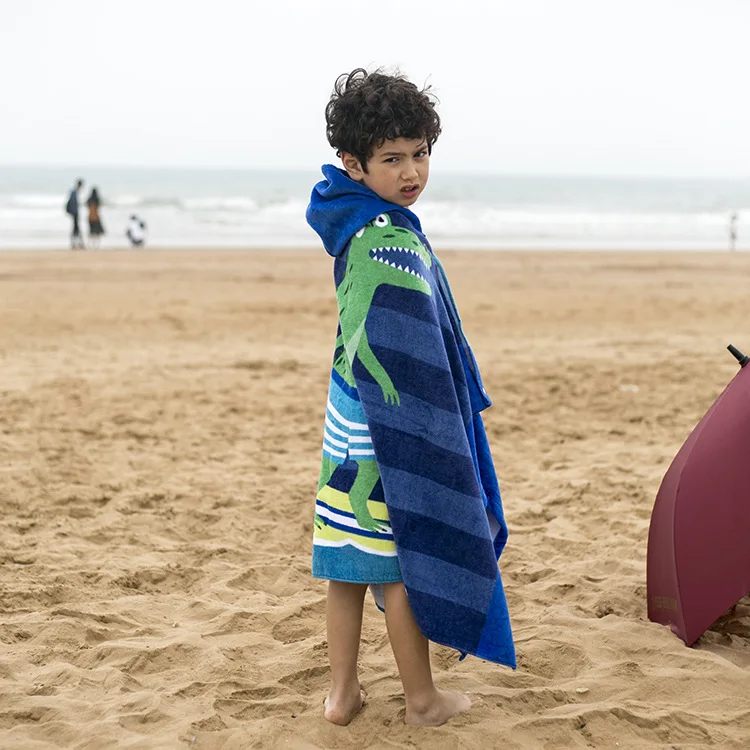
(160, 428)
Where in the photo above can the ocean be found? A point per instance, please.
(243, 208)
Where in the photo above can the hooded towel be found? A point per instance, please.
(402, 359)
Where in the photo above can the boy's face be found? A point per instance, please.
(397, 171)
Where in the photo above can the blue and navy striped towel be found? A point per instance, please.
(423, 415)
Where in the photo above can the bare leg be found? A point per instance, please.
(344, 620)
(425, 704)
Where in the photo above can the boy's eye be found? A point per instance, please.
(420, 154)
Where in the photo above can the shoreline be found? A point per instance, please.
(300, 247)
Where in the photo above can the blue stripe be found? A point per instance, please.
(496, 641)
(349, 390)
(418, 495)
(415, 304)
(477, 395)
(357, 532)
(344, 476)
(336, 459)
(417, 418)
(434, 385)
(349, 408)
(415, 455)
(353, 565)
(442, 544)
(448, 623)
(337, 510)
(406, 334)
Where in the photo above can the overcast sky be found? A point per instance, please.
(631, 87)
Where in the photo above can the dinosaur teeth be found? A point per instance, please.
(380, 254)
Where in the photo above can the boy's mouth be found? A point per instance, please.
(410, 190)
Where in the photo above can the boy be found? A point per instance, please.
(407, 498)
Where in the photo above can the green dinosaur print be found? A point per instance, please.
(380, 253)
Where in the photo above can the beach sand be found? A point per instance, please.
(160, 428)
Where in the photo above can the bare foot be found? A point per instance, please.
(344, 708)
(446, 705)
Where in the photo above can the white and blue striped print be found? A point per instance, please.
(346, 432)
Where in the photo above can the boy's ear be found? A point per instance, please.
(352, 166)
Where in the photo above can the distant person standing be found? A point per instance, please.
(71, 208)
(136, 231)
(96, 230)
(733, 231)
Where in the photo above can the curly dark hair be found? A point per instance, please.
(367, 109)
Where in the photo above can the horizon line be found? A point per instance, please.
(447, 172)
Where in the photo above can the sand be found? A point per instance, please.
(160, 427)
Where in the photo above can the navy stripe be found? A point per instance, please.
(448, 581)
(390, 329)
(357, 532)
(418, 456)
(445, 543)
(344, 476)
(416, 417)
(406, 334)
(497, 639)
(408, 301)
(435, 385)
(417, 494)
(318, 501)
(449, 623)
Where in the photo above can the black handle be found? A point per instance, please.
(743, 359)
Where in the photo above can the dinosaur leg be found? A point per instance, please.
(327, 467)
(359, 494)
(372, 365)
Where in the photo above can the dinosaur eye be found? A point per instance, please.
(360, 232)
(381, 221)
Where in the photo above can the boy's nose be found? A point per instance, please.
(409, 171)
